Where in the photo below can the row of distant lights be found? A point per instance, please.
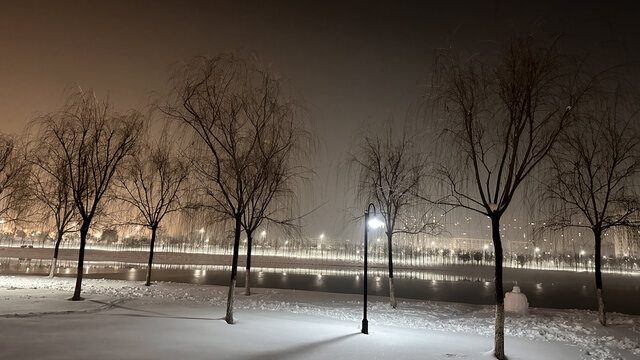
(263, 234)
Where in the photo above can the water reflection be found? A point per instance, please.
(131, 276)
(544, 289)
(12, 265)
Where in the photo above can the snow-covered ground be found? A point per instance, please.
(126, 320)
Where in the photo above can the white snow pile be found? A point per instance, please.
(30, 304)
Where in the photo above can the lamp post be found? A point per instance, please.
(373, 223)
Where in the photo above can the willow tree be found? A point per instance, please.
(392, 172)
(51, 188)
(281, 150)
(593, 171)
(152, 183)
(502, 117)
(15, 197)
(92, 141)
(230, 106)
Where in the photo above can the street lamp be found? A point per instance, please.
(374, 223)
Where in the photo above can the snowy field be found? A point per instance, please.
(126, 320)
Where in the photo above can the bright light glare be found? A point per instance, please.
(375, 223)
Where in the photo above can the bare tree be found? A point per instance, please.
(503, 119)
(152, 183)
(280, 152)
(92, 140)
(392, 172)
(51, 187)
(593, 170)
(230, 106)
(14, 190)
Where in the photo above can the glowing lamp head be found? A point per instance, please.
(375, 223)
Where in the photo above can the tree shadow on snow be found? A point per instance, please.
(296, 351)
(149, 313)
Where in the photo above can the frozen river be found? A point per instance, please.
(472, 284)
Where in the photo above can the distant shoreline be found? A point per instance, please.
(284, 262)
(179, 258)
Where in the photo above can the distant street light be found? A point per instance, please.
(374, 223)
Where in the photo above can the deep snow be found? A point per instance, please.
(126, 320)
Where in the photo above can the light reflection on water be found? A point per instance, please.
(200, 271)
(544, 289)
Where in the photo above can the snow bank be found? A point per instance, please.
(560, 332)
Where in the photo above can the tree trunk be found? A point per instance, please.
(234, 271)
(602, 315)
(84, 229)
(247, 273)
(153, 242)
(392, 290)
(498, 349)
(54, 261)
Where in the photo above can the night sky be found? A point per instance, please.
(352, 63)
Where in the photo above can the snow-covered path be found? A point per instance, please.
(126, 320)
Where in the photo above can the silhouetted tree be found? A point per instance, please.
(152, 182)
(230, 105)
(92, 140)
(392, 174)
(52, 189)
(280, 151)
(593, 170)
(502, 119)
(15, 197)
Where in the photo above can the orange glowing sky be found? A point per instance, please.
(351, 62)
